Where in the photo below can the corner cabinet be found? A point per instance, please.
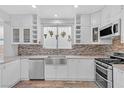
(118, 78)
(10, 73)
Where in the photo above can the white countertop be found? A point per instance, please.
(67, 56)
(119, 66)
(8, 59)
(4, 60)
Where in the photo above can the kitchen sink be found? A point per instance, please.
(56, 60)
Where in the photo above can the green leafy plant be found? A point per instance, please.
(69, 38)
(45, 35)
(63, 34)
(51, 33)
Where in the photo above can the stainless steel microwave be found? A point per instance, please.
(116, 27)
(106, 31)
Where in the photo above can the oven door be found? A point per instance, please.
(103, 83)
(103, 76)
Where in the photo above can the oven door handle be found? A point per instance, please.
(103, 78)
(102, 67)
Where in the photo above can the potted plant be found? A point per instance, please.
(45, 35)
(63, 34)
(51, 33)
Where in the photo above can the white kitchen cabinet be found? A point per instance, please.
(118, 78)
(122, 27)
(25, 23)
(16, 35)
(0, 76)
(81, 69)
(72, 69)
(62, 72)
(106, 16)
(13, 73)
(82, 29)
(4, 73)
(26, 35)
(50, 72)
(85, 69)
(110, 14)
(85, 20)
(24, 69)
(75, 69)
(10, 73)
(96, 18)
(56, 72)
(86, 35)
(21, 20)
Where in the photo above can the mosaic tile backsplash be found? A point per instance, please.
(89, 49)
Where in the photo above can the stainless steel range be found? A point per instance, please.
(104, 70)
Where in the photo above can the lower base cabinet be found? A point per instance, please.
(10, 74)
(0, 76)
(74, 70)
(118, 77)
(24, 69)
(81, 69)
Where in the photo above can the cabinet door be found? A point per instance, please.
(13, 67)
(86, 20)
(106, 16)
(26, 35)
(115, 12)
(4, 77)
(118, 78)
(62, 72)
(50, 72)
(96, 19)
(122, 27)
(72, 69)
(24, 69)
(86, 36)
(85, 70)
(0, 76)
(15, 35)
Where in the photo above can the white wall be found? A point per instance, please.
(9, 49)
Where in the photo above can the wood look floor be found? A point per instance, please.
(55, 84)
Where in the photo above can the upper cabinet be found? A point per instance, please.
(122, 26)
(96, 18)
(25, 29)
(82, 29)
(85, 20)
(16, 35)
(110, 14)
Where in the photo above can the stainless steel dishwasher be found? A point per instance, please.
(36, 69)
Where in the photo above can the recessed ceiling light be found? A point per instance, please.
(76, 6)
(56, 15)
(34, 6)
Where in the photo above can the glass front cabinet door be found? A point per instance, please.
(15, 35)
(26, 35)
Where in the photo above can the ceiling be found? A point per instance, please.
(48, 11)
